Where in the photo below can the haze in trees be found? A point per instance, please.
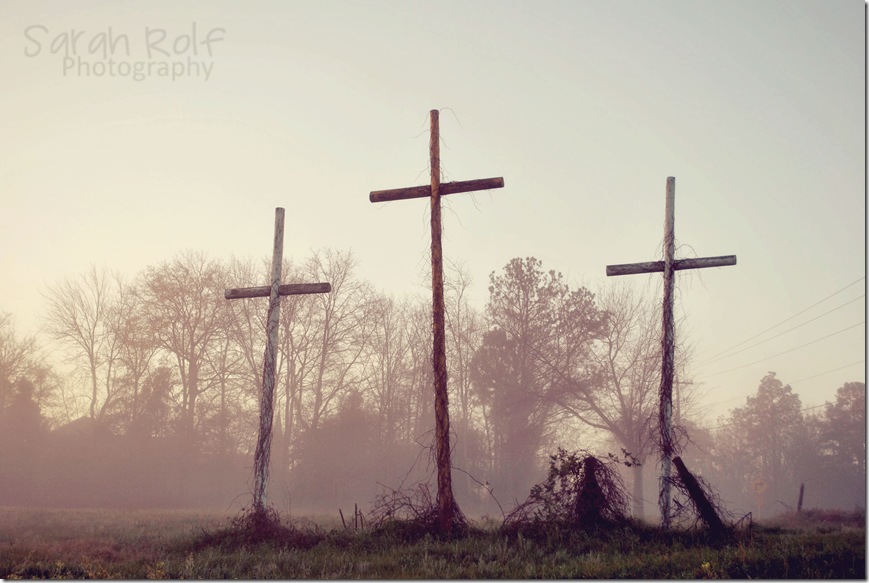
(767, 448)
(154, 402)
(538, 329)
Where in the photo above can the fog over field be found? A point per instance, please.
(162, 407)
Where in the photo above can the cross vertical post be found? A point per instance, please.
(668, 266)
(668, 345)
(267, 399)
(447, 506)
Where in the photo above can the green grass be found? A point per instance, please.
(102, 544)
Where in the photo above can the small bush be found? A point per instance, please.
(257, 526)
(412, 514)
(580, 491)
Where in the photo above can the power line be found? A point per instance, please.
(785, 320)
(789, 350)
(801, 411)
(717, 403)
(716, 359)
(826, 372)
(726, 401)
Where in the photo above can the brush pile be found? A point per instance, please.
(412, 513)
(581, 491)
(256, 526)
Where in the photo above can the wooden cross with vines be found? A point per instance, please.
(267, 401)
(447, 507)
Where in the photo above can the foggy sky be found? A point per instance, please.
(585, 108)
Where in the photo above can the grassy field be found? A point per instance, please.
(106, 544)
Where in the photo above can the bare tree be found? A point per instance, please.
(297, 358)
(294, 358)
(223, 368)
(248, 319)
(419, 389)
(465, 328)
(342, 330)
(390, 369)
(621, 398)
(464, 334)
(80, 315)
(321, 342)
(136, 351)
(184, 302)
(21, 359)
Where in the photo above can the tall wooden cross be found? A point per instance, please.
(668, 335)
(445, 500)
(267, 401)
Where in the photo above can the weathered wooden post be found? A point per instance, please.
(446, 503)
(668, 336)
(445, 499)
(267, 400)
(800, 500)
(705, 508)
(668, 349)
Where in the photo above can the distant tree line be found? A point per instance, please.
(762, 452)
(160, 397)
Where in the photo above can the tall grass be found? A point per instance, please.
(155, 545)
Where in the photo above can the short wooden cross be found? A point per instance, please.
(668, 334)
(446, 502)
(267, 401)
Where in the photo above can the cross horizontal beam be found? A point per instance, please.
(288, 289)
(445, 188)
(654, 266)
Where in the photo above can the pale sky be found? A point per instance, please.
(584, 107)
